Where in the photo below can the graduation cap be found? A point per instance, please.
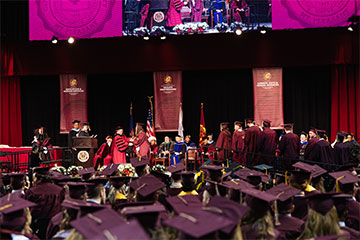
(97, 181)
(344, 179)
(139, 162)
(77, 189)
(321, 133)
(41, 170)
(258, 201)
(16, 178)
(320, 202)
(236, 184)
(229, 209)
(300, 177)
(110, 169)
(58, 178)
(340, 201)
(147, 214)
(214, 171)
(118, 128)
(146, 185)
(176, 168)
(86, 173)
(92, 223)
(252, 176)
(198, 223)
(284, 194)
(75, 121)
(249, 120)
(86, 124)
(72, 203)
(263, 167)
(313, 129)
(119, 181)
(128, 230)
(224, 124)
(267, 123)
(238, 123)
(165, 178)
(183, 203)
(12, 211)
(288, 126)
(120, 205)
(315, 170)
(140, 124)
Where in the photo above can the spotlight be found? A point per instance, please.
(146, 38)
(350, 28)
(54, 40)
(238, 31)
(71, 40)
(262, 30)
(163, 37)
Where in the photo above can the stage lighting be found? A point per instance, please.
(54, 40)
(350, 28)
(262, 30)
(354, 21)
(71, 40)
(163, 37)
(238, 31)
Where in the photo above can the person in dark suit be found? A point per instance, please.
(289, 147)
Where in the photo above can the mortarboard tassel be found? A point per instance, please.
(337, 184)
(286, 177)
(217, 189)
(276, 214)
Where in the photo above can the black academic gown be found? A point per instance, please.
(289, 148)
(323, 153)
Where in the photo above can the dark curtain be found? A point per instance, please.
(10, 109)
(40, 105)
(345, 101)
(307, 97)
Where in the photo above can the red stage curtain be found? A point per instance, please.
(10, 102)
(345, 101)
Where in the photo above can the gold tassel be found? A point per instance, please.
(276, 214)
(337, 184)
(286, 178)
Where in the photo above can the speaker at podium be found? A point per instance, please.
(157, 12)
(85, 147)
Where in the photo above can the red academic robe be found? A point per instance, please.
(266, 144)
(144, 14)
(309, 148)
(142, 142)
(239, 144)
(251, 136)
(101, 154)
(173, 14)
(120, 142)
(223, 141)
(196, 10)
(289, 147)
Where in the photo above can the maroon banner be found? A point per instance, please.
(268, 96)
(168, 96)
(73, 100)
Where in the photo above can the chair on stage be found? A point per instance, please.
(162, 160)
(192, 158)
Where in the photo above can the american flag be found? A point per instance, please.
(150, 132)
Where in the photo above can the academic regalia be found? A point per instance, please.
(241, 5)
(48, 196)
(239, 144)
(178, 151)
(251, 136)
(208, 151)
(309, 148)
(101, 154)
(354, 235)
(120, 142)
(142, 143)
(322, 152)
(173, 14)
(218, 5)
(342, 153)
(197, 7)
(163, 147)
(83, 133)
(54, 225)
(72, 133)
(223, 141)
(144, 14)
(290, 227)
(174, 189)
(289, 147)
(266, 144)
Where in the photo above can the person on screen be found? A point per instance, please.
(218, 7)
(240, 10)
(197, 8)
(144, 13)
(173, 15)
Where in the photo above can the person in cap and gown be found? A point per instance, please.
(17, 184)
(266, 144)
(74, 132)
(141, 141)
(177, 151)
(119, 146)
(313, 138)
(342, 150)
(175, 187)
(238, 144)
(303, 144)
(251, 135)
(48, 198)
(84, 132)
(197, 8)
(164, 147)
(289, 147)
(207, 150)
(188, 183)
(223, 143)
(322, 151)
(40, 146)
(102, 153)
(173, 16)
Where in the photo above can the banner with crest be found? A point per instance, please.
(167, 99)
(73, 100)
(268, 96)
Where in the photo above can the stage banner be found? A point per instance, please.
(268, 96)
(167, 98)
(73, 100)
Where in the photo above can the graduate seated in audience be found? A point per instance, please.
(188, 184)
(95, 190)
(175, 187)
(17, 183)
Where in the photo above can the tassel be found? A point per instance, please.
(286, 177)
(337, 184)
(276, 214)
(217, 189)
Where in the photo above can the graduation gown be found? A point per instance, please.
(121, 142)
(266, 144)
(342, 153)
(177, 152)
(54, 225)
(289, 147)
(73, 132)
(238, 143)
(251, 136)
(223, 141)
(143, 144)
(48, 198)
(309, 148)
(250, 233)
(323, 152)
(290, 227)
(101, 154)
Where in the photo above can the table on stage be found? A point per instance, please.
(20, 156)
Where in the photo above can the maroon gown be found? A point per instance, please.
(323, 153)
(118, 154)
(223, 141)
(266, 144)
(143, 144)
(251, 136)
(342, 153)
(239, 144)
(289, 148)
(101, 154)
(290, 227)
(309, 148)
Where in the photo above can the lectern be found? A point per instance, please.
(157, 12)
(85, 147)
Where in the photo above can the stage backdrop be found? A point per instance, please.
(168, 96)
(268, 97)
(73, 100)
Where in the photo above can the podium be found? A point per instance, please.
(85, 147)
(157, 12)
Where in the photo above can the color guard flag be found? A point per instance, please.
(150, 132)
(181, 128)
(131, 127)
